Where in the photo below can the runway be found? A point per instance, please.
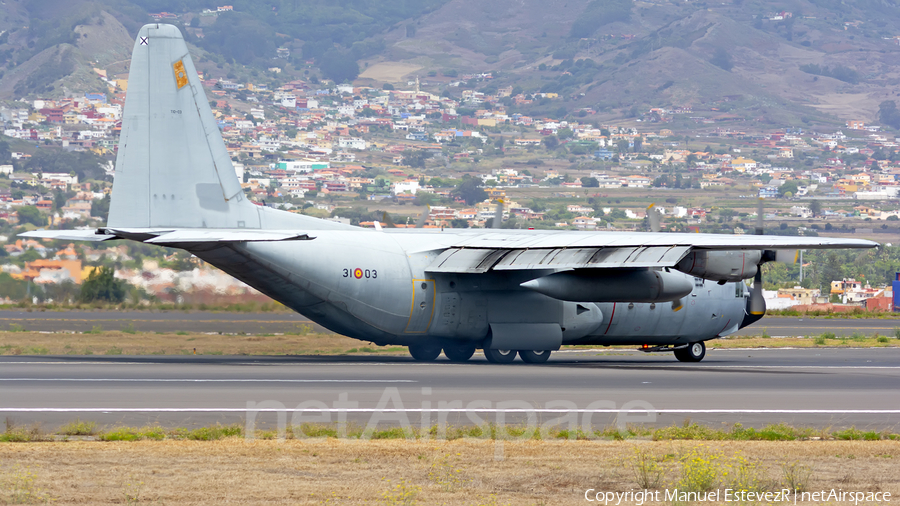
(158, 321)
(818, 388)
(283, 323)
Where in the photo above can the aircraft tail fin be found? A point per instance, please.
(172, 167)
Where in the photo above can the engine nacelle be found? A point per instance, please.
(600, 285)
(721, 265)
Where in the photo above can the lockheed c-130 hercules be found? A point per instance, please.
(507, 292)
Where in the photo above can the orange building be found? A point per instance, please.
(33, 269)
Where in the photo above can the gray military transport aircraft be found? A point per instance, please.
(507, 292)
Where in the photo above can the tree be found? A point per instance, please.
(414, 157)
(722, 59)
(102, 285)
(469, 190)
(84, 164)
(551, 142)
(727, 214)
(599, 13)
(256, 40)
(590, 182)
(888, 114)
(788, 187)
(815, 207)
(339, 67)
(31, 214)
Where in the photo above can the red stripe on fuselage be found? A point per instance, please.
(613, 315)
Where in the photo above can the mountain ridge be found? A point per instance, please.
(743, 57)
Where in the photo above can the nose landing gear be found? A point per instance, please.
(693, 352)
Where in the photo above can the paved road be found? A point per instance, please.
(274, 323)
(820, 388)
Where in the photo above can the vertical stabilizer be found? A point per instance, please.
(172, 168)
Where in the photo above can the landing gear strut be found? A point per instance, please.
(694, 352)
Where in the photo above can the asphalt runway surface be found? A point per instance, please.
(158, 321)
(284, 323)
(804, 387)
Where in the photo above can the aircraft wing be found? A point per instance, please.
(479, 253)
(572, 239)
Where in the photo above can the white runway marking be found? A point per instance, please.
(174, 380)
(253, 363)
(787, 367)
(465, 410)
(675, 365)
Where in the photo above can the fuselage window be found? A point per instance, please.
(739, 289)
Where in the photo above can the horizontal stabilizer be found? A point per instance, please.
(169, 236)
(227, 235)
(92, 235)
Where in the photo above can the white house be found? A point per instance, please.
(351, 143)
(405, 187)
(59, 176)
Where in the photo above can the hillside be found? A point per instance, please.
(786, 62)
(661, 55)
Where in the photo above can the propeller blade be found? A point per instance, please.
(757, 301)
(677, 305)
(388, 222)
(378, 226)
(498, 215)
(653, 218)
(760, 215)
(423, 218)
(787, 256)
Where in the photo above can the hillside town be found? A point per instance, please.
(297, 142)
(448, 146)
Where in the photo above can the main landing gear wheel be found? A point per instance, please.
(499, 356)
(459, 352)
(693, 353)
(534, 356)
(424, 352)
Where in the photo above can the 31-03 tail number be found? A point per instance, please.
(360, 273)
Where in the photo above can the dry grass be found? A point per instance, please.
(312, 343)
(389, 71)
(333, 471)
(801, 342)
(145, 343)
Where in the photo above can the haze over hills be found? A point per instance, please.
(777, 62)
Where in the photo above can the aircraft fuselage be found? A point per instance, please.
(375, 287)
